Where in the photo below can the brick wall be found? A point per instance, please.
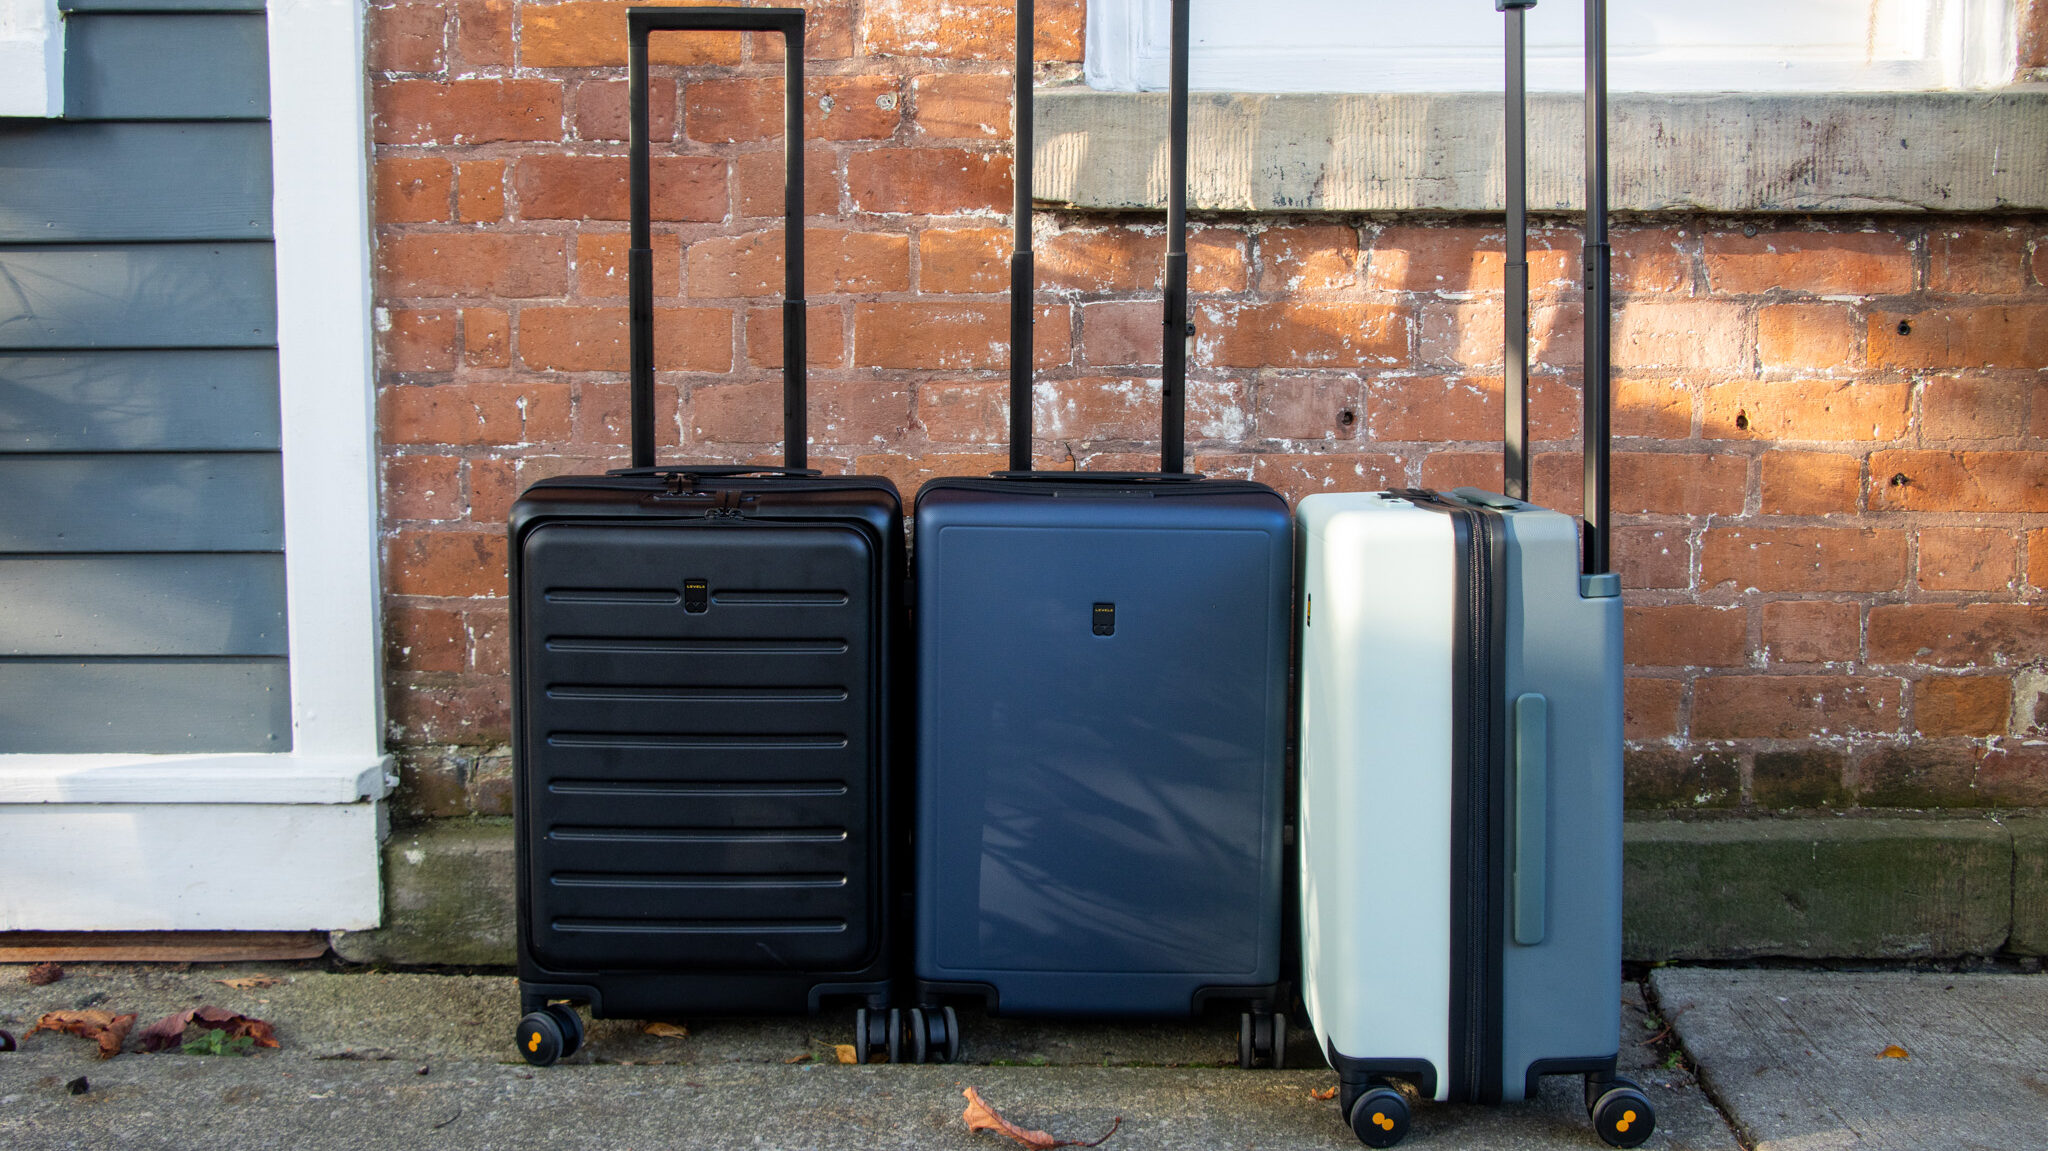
(1831, 471)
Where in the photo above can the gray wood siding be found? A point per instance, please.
(69, 182)
(154, 605)
(178, 66)
(194, 400)
(142, 602)
(145, 705)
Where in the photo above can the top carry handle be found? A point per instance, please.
(1598, 268)
(1023, 281)
(640, 261)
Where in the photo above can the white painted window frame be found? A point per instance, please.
(31, 58)
(1653, 45)
(286, 841)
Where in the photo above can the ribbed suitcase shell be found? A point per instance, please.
(1099, 816)
(1392, 765)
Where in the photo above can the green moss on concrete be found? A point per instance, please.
(2030, 884)
(1661, 779)
(1789, 779)
(1816, 888)
(448, 898)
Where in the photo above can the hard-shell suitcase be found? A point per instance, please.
(1460, 731)
(705, 709)
(1103, 699)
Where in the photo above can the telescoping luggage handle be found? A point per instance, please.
(1023, 275)
(1598, 270)
(640, 260)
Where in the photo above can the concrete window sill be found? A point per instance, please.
(1792, 152)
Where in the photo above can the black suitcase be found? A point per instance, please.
(704, 709)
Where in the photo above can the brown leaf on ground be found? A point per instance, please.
(166, 1032)
(103, 1027)
(799, 1057)
(1322, 1093)
(979, 1116)
(44, 974)
(1894, 1052)
(169, 1031)
(250, 982)
(845, 1052)
(667, 1030)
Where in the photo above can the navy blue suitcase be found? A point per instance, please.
(1103, 698)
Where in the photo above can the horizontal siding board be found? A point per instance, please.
(205, 399)
(62, 182)
(141, 502)
(144, 296)
(142, 605)
(173, 66)
(161, 5)
(66, 706)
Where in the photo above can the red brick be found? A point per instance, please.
(1972, 408)
(928, 181)
(1308, 258)
(760, 180)
(2033, 34)
(594, 339)
(1432, 408)
(1558, 480)
(493, 485)
(1310, 408)
(1811, 484)
(447, 563)
(1807, 337)
(1818, 411)
(1652, 260)
(1681, 335)
(483, 33)
(1793, 706)
(1968, 705)
(1652, 559)
(592, 33)
(601, 267)
(690, 188)
(423, 488)
(1977, 261)
(1805, 559)
(1685, 635)
(1104, 259)
(1968, 559)
(486, 338)
(1299, 334)
(412, 190)
(472, 264)
(1219, 411)
(834, 261)
(835, 108)
(1096, 409)
(1987, 337)
(602, 112)
(1472, 335)
(963, 260)
(420, 637)
(480, 197)
(1121, 332)
(957, 106)
(1958, 635)
(909, 473)
(980, 30)
(861, 413)
(465, 712)
(1443, 471)
(466, 111)
(1423, 258)
(407, 37)
(1219, 260)
(1649, 708)
(949, 336)
(476, 414)
(488, 630)
(417, 341)
(1052, 336)
(1295, 476)
(828, 34)
(1679, 484)
(824, 336)
(1822, 263)
(1959, 481)
(964, 412)
(2037, 558)
(2012, 776)
(1812, 631)
(1651, 408)
(603, 422)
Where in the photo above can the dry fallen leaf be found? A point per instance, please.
(1894, 1052)
(845, 1052)
(667, 1030)
(250, 982)
(44, 974)
(169, 1031)
(979, 1116)
(1322, 1093)
(799, 1057)
(103, 1027)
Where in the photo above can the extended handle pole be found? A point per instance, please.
(1174, 364)
(1599, 272)
(1023, 273)
(1515, 271)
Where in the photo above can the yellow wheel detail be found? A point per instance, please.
(533, 1044)
(1379, 1119)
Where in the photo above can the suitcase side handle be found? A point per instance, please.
(789, 22)
(1531, 748)
(1176, 330)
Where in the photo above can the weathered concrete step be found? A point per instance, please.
(1836, 887)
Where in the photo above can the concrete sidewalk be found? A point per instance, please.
(418, 1060)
